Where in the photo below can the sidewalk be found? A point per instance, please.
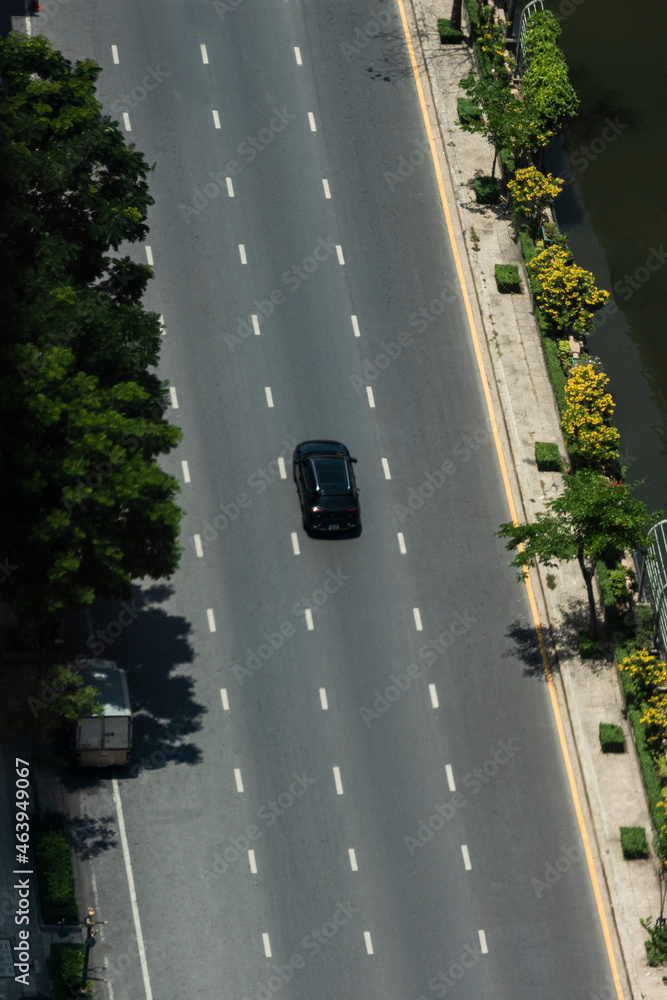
(610, 786)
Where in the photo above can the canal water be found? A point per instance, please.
(614, 210)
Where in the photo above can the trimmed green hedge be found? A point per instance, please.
(66, 968)
(54, 871)
(487, 190)
(508, 279)
(588, 648)
(633, 843)
(612, 738)
(473, 14)
(448, 35)
(527, 244)
(556, 372)
(468, 110)
(547, 456)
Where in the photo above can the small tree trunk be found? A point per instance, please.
(588, 580)
(495, 157)
(455, 20)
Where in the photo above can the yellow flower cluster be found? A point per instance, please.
(567, 294)
(586, 421)
(532, 191)
(648, 672)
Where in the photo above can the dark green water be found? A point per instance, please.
(614, 209)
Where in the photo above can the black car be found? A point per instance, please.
(326, 486)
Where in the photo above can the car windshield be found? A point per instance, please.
(332, 475)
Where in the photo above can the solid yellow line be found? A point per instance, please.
(510, 502)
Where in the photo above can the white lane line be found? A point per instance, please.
(269, 396)
(114, 54)
(339, 254)
(149, 256)
(339, 783)
(434, 696)
(281, 467)
(253, 863)
(369, 943)
(163, 328)
(323, 699)
(385, 466)
(295, 544)
(238, 779)
(371, 397)
(309, 620)
(482, 943)
(173, 397)
(211, 619)
(186, 471)
(224, 697)
(325, 185)
(216, 118)
(355, 326)
(353, 859)
(244, 259)
(198, 547)
(297, 55)
(230, 187)
(133, 893)
(204, 55)
(311, 119)
(418, 619)
(401, 543)
(450, 777)
(126, 122)
(255, 323)
(466, 857)
(267, 945)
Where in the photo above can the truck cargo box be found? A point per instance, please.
(106, 739)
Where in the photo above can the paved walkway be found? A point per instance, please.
(610, 786)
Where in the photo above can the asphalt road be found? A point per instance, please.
(411, 724)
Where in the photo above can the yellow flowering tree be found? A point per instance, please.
(532, 191)
(587, 417)
(646, 671)
(565, 293)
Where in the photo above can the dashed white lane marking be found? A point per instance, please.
(204, 55)
(211, 619)
(224, 697)
(244, 259)
(281, 467)
(339, 254)
(311, 120)
(325, 185)
(269, 395)
(385, 466)
(297, 55)
(267, 945)
(149, 256)
(323, 699)
(133, 893)
(186, 471)
(114, 54)
(238, 779)
(309, 620)
(450, 777)
(295, 544)
(418, 619)
(353, 859)
(230, 187)
(401, 543)
(163, 329)
(482, 943)
(126, 122)
(255, 324)
(173, 397)
(434, 696)
(355, 326)
(253, 863)
(369, 943)
(371, 397)
(198, 547)
(339, 783)
(216, 118)
(466, 857)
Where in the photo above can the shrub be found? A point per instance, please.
(473, 14)
(646, 631)
(588, 648)
(612, 738)
(527, 244)
(633, 842)
(565, 292)
(54, 871)
(565, 355)
(586, 422)
(656, 946)
(556, 373)
(508, 280)
(448, 35)
(487, 191)
(531, 191)
(66, 968)
(547, 456)
(468, 111)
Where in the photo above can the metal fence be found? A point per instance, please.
(652, 572)
(529, 9)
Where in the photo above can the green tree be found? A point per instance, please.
(590, 517)
(546, 84)
(59, 696)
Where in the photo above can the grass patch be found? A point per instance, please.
(448, 35)
(634, 843)
(54, 871)
(508, 280)
(547, 456)
(612, 738)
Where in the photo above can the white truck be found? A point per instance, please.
(106, 739)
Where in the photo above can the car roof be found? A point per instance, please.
(323, 447)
